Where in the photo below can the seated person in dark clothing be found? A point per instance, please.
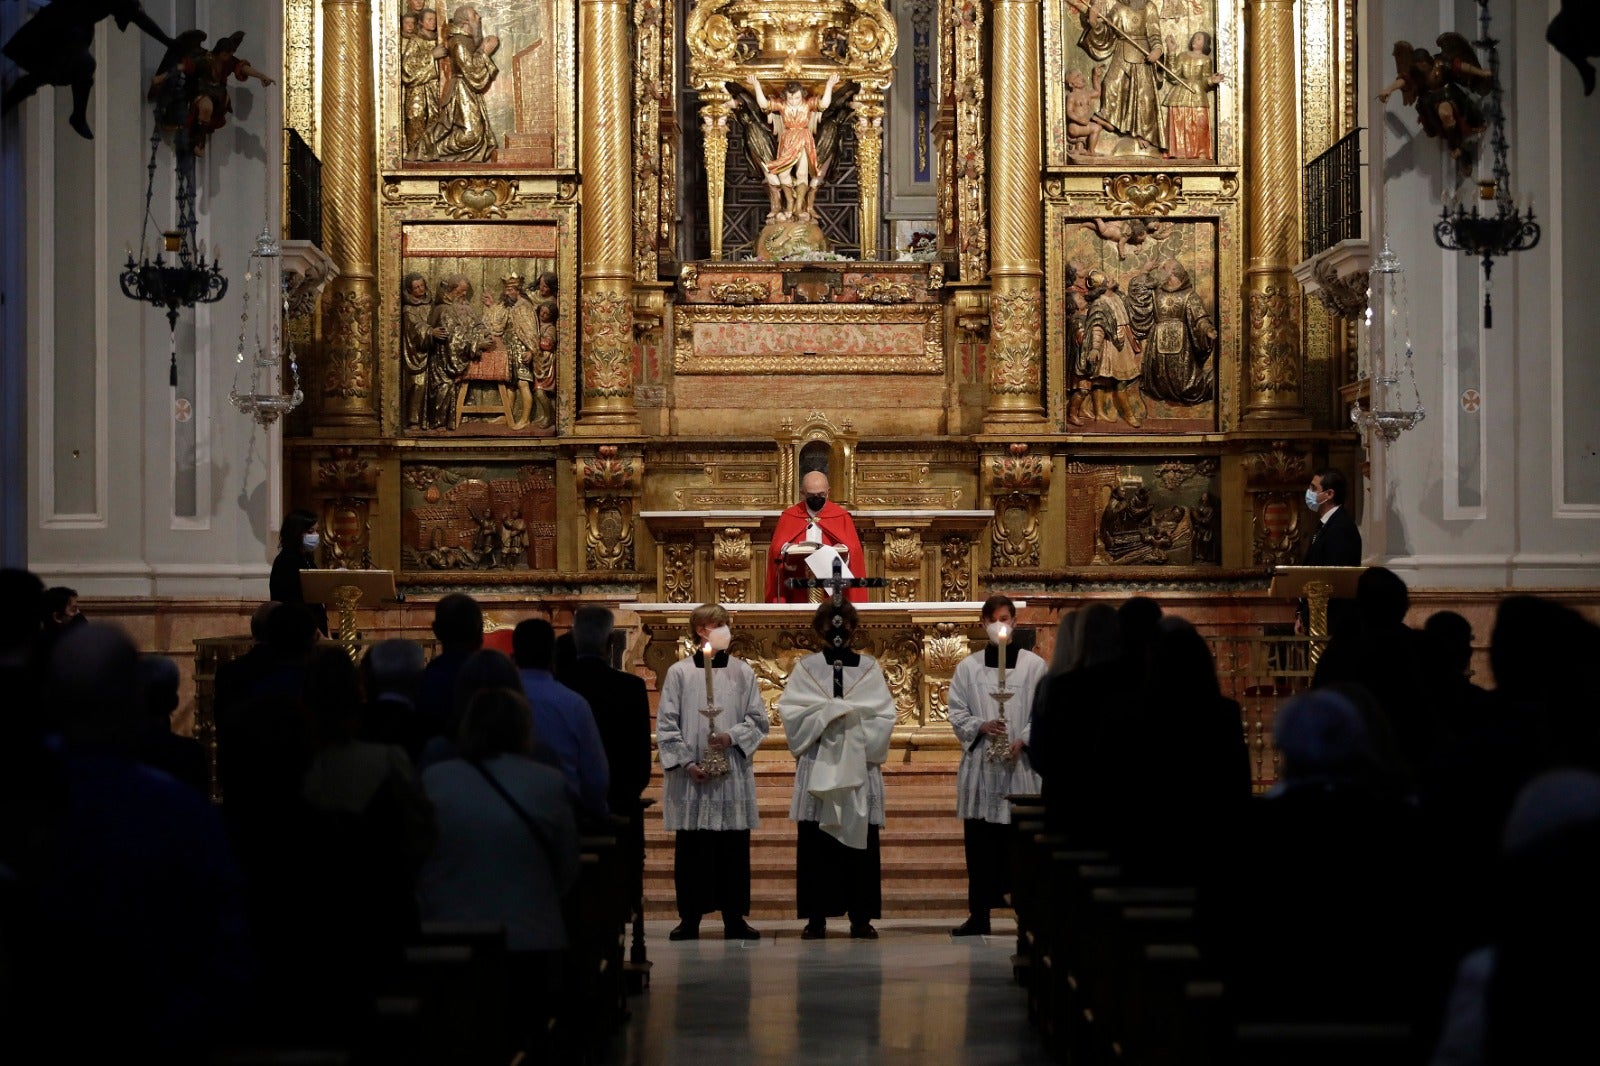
(1460, 708)
(251, 725)
(183, 757)
(1382, 654)
(236, 677)
(1328, 926)
(143, 882)
(391, 672)
(458, 625)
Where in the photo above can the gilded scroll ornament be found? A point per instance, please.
(935, 277)
(970, 161)
(1014, 541)
(733, 590)
(731, 549)
(901, 590)
(1343, 295)
(1142, 194)
(607, 345)
(689, 277)
(741, 291)
(942, 652)
(608, 539)
(477, 197)
(883, 291)
(1278, 465)
(900, 656)
(677, 572)
(345, 470)
(1275, 517)
(955, 579)
(902, 549)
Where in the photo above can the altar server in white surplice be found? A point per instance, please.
(712, 815)
(837, 714)
(988, 776)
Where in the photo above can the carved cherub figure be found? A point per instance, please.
(1083, 99)
(1445, 88)
(1129, 231)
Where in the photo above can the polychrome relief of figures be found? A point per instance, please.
(477, 82)
(1141, 339)
(478, 345)
(499, 517)
(1137, 80)
(1162, 513)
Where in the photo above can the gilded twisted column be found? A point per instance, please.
(349, 217)
(1273, 360)
(1016, 239)
(607, 229)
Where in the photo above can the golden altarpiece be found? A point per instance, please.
(613, 276)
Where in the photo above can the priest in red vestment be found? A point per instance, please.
(814, 520)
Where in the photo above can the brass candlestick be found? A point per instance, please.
(713, 761)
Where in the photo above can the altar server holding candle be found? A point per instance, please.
(991, 702)
(710, 706)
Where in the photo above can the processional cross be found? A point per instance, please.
(836, 584)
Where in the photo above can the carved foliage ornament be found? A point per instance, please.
(608, 541)
(1018, 470)
(955, 582)
(677, 572)
(1016, 328)
(476, 197)
(607, 472)
(883, 291)
(607, 344)
(741, 291)
(1343, 295)
(345, 471)
(731, 550)
(1143, 194)
(1274, 366)
(1278, 466)
(1015, 540)
(348, 318)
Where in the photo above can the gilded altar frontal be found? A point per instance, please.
(613, 277)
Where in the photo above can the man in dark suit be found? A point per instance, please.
(1337, 541)
(621, 709)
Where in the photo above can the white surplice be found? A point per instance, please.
(728, 801)
(981, 785)
(840, 744)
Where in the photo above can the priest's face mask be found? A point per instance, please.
(815, 487)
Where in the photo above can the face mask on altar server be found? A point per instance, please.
(719, 638)
(998, 629)
(815, 501)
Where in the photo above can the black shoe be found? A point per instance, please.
(973, 926)
(685, 931)
(742, 931)
(814, 930)
(864, 931)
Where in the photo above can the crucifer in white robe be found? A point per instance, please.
(982, 785)
(840, 742)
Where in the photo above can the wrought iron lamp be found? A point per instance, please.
(1498, 230)
(179, 276)
(1386, 353)
(266, 401)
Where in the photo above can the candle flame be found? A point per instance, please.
(1002, 633)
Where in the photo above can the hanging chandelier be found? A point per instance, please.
(178, 276)
(1394, 403)
(1496, 229)
(264, 281)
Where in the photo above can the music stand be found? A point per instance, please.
(347, 590)
(1317, 585)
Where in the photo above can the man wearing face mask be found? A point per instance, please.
(1337, 541)
(711, 813)
(994, 758)
(814, 520)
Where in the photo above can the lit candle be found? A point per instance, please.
(1002, 637)
(706, 651)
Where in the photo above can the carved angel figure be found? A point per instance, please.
(1129, 231)
(796, 151)
(1445, 88)
(190, 87)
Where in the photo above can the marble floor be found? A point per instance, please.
(915, 996)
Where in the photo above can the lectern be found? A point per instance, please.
(793, 566)
(1318, 584)
(347, 590)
